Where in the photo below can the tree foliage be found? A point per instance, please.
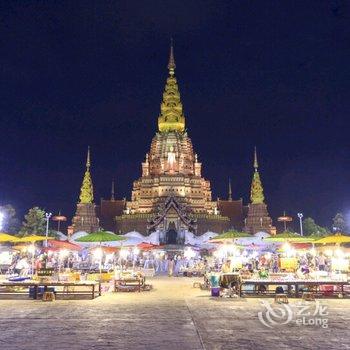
(10, 223)
(311, 228)
(339, 224)
(34, 222)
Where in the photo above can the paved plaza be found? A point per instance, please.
(174, 315)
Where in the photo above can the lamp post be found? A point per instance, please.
(47, 216)
(300, 216)
(2, 216)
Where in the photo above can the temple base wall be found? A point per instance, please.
(258, 219)
(128, 223)
(85, 218)
(212, 224)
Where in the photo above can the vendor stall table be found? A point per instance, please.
(129, 283)
(69, 288)
(229, 279)
(294, 287)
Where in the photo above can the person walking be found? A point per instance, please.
(170, 267)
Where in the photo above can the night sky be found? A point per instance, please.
(275, 74)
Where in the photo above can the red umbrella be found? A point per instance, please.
(146, 246)
(302, 245)
(55, 244)
(107, 250)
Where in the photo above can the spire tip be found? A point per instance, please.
(229, 190)
(171, 64)
(88, 162)
(256, 165)
(112, 192)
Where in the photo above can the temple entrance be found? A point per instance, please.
(171, 235)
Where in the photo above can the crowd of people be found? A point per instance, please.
(163, 263)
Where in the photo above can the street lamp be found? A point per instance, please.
(300, 216)
(47, 216)
(2, 216)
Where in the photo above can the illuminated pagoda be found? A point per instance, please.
(85, 218)
(171, 197)
(258, 218)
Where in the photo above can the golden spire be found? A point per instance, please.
(171, 116)
(229, 190)
(256, 190)
(112, 192)
(86, 190)
(88, 163)
(255, 160)
(171, 64)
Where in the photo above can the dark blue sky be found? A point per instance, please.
(275, 74)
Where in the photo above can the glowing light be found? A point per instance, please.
(31, 249)
(339, 253)
(63, 253)
(124, 253)
(220, 253)
(236, 263)
(254, 255)
(328, 252)
(313, 251)
(5, 258)
(109, 257)
(289, 250)
(136, 251)
(98, 253)
(231, 250)
(340, 264)
(2, 216)
(286, 246)
(189, 253)
(268, 256)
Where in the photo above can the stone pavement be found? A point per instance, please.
(172, 316)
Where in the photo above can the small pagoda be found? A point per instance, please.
(85, 218)
(258, 218)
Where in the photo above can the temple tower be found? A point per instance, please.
(171, 196)
(85, 218)
(258, 218)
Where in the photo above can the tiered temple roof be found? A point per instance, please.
(258, 218)
(85, 218)
(171, 170)
(171, 194)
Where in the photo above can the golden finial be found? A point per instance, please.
(88, 163)
(255, 160)
(112, 192)
(229, 190)
(171, 64)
